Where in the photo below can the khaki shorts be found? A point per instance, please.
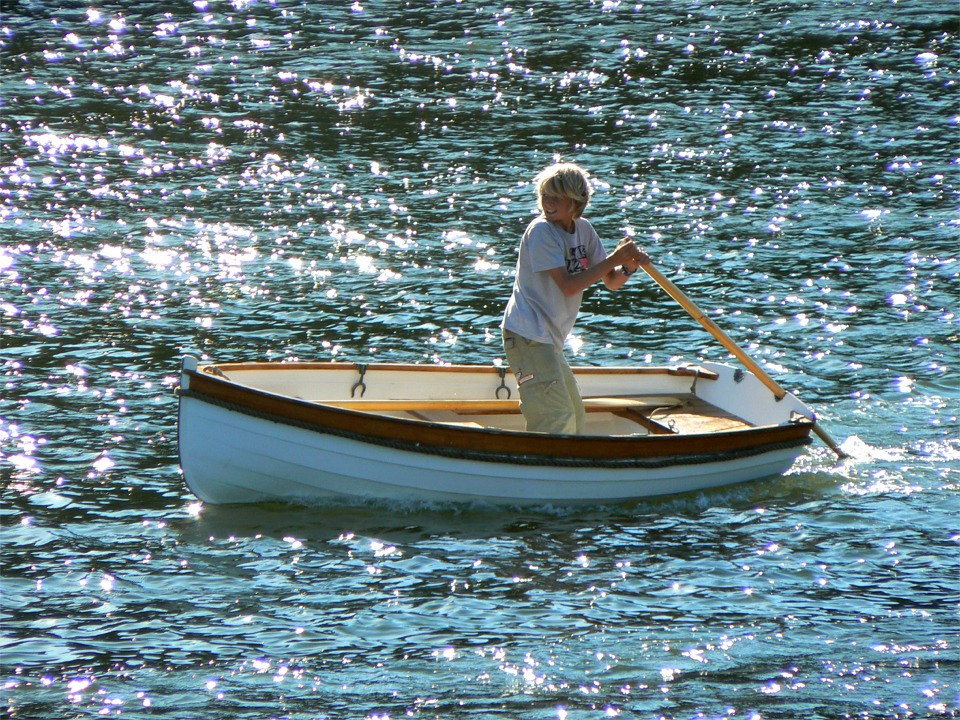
(549, 396)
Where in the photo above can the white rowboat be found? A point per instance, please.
(312, 432)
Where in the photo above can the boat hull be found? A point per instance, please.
(241, 444)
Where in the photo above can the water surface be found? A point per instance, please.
(256, 180)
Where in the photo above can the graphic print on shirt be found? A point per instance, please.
(576, 259)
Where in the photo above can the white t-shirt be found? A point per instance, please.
(538, 309)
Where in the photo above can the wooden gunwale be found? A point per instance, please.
(678, 370)
(326, 418)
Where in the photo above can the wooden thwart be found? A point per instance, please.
(659, 414)
(478, 407)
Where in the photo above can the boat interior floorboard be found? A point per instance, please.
(690, 415)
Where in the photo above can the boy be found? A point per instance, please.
(560, 257)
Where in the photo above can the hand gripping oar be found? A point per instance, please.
(698, 315)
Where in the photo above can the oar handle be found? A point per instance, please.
(697, 314)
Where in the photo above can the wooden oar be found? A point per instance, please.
(697, 314)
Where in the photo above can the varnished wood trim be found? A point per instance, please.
(680, 370)
(480, 407)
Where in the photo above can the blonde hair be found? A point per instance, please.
(565, 180)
